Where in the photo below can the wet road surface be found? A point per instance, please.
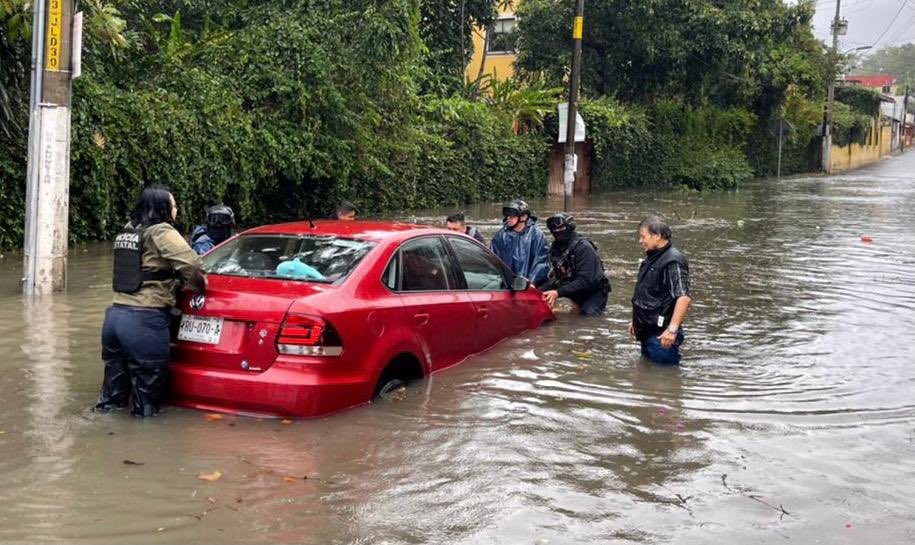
(791, 418)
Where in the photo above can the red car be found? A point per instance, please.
(305, 319)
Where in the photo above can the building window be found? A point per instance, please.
(503, 37)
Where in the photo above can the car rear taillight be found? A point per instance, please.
(305, 335)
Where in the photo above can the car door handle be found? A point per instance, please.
(421, 318)
(483, 312)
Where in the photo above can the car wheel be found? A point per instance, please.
(390, 387)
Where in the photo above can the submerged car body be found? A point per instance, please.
(305, 319)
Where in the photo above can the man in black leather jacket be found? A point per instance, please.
(661, 296)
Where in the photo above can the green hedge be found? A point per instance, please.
(667, 145)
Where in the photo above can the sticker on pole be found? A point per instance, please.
(563, 120)
(55, 25)
(576, 28)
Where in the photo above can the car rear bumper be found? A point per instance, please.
(280, 391)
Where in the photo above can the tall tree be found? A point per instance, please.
(896, 61)
(734, 52)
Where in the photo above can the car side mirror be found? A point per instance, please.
(520, 283)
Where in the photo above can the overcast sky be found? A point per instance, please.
(867, 20)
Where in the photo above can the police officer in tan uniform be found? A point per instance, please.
(151, 260)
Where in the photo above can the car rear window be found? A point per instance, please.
(326, 259)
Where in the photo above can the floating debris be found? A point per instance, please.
(214, 476)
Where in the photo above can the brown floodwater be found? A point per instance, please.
(792, 416)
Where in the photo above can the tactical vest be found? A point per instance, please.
(128, 273)
(565, 262)
(652, 303)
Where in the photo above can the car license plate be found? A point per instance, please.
(200, 329)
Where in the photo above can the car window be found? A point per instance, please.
(326, 259)
(392, 273)
(482, 271)
(426, 265)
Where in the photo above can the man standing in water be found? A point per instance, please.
(661, 296)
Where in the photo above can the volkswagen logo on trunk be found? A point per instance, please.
(197, 302)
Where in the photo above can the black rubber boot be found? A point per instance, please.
(115, 387)
(148, 387)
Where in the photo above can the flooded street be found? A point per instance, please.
(792, 416)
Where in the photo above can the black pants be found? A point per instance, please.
(595, 305)
(135, 350)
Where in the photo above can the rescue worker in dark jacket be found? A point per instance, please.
(457, 223)
(576, 270)
(219, 227)
(661, 296)
(151, 258)
(521, 244)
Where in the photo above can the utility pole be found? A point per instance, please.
(905, 118)
(571, 162)
(48, 188)
(827, 121)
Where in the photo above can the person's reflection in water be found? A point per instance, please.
(663, 439)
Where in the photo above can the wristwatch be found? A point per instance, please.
(672, 330)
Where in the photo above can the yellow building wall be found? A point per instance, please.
(499, 65)
(843, 158)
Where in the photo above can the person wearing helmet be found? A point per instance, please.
(521, 244)
(576, 270)
(220, 226)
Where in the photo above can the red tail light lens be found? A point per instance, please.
(305, 335)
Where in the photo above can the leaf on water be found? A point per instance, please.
(289, 479)
(583, 355)
(214, 416)
(866, 239)
(286, 422)
(132, 463)
(214, 476)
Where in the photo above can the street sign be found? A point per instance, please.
(782, 128)
(579, 124)
(76, 51)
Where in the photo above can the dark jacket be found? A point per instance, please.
(526, 253)
(475, 233)
(581, 273)
(200, 240)
(663, 278)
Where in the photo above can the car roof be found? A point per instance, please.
(374, 231)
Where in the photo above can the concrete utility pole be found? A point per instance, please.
(827, 121)
(48, 189)
(905, 118)
(571, 162)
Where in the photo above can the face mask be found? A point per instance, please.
(562, 236)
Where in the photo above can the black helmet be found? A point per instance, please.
(220, 223)
(220, 216)
(516, 207)
(559, 221)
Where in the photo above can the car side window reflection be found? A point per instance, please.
(426, 265)
(482, 271)
(392, 273)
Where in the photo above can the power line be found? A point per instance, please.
(882, 34)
